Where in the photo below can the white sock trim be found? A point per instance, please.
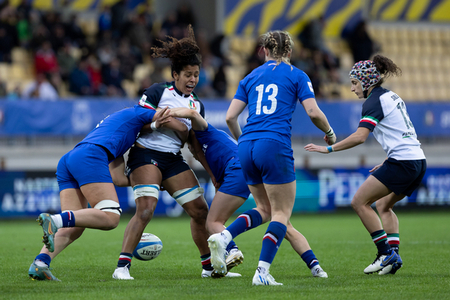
(58, 221)
(264, 264)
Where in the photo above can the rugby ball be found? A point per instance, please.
(149, 247)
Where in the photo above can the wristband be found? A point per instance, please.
(330, 149)
(153, 126)
(330, 132)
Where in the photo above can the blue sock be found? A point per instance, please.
(271, 241)
(310, 259)
(45, 258)
(68, 219)
(124, 260)
(231, 245)
(248, 220)
(206, 262)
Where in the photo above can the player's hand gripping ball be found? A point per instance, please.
(149, 247)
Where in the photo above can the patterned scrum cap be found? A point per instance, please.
(366, 73)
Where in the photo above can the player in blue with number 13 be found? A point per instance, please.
(271, 92)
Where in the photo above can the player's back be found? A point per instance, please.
(219, 149)
(118, 131)
(271, 92)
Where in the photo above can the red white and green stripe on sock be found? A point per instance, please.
(394, 241)
(379, 237)
(206, 262)
(124, 260)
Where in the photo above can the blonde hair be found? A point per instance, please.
(279, 44)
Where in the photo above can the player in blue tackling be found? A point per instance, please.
(384, 113)
(271, 92)
(84, 178)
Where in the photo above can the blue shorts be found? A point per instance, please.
(234, 181)
(267, 161)
(401, 176)
(86, 163)
(168, 163)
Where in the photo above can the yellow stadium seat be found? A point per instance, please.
(141, 71)
(20, 55)
(4, 71)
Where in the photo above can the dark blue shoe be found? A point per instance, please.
(397, 265)
(383, 261)
(391, 264)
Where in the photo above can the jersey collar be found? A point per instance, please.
(179, 92)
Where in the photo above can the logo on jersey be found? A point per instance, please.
(144, 103)
(191, 104)
(204, 148)
(310, 87)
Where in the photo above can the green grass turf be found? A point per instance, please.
(339, 241)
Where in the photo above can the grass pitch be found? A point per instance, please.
(339, 240)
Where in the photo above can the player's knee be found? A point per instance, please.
(184, 196)
(382, 207)
(144, 215)
(113, 212)
(199, 214)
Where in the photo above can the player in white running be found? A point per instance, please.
(383, 113)
(155, 160)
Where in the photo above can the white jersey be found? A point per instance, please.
(384, 113)
(166, 95)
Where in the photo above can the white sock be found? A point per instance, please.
(227, 235)
(40, 263)
(58, 220)
(264, 266)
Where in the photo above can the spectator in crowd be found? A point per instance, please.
(24, 9)
(129, 57)
(112, 77)
(104, 22)
(360, 43)
(185, 15)
(23, 30)
(8, 33)
(94, 70)
(40, 88)
(39, 33)
(66, 61)
(74, 32)
(119, 14)
(79, 82)
(45, 60)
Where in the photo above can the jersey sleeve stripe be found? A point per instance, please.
(369, 120)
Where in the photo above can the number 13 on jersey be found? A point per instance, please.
(271, 91)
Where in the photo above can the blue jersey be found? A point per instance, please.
(219, 149)
(118, 131)
(271, 93)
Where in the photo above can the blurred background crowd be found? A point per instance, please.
(60, 53)
(52, 54)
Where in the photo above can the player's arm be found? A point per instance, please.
(117, 170)
(355, 139)
(235, 109)
(319, 119)
(163, 119)
(197, 151)
(198, 123)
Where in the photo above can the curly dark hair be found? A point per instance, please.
(181, 53)
(386, 67)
